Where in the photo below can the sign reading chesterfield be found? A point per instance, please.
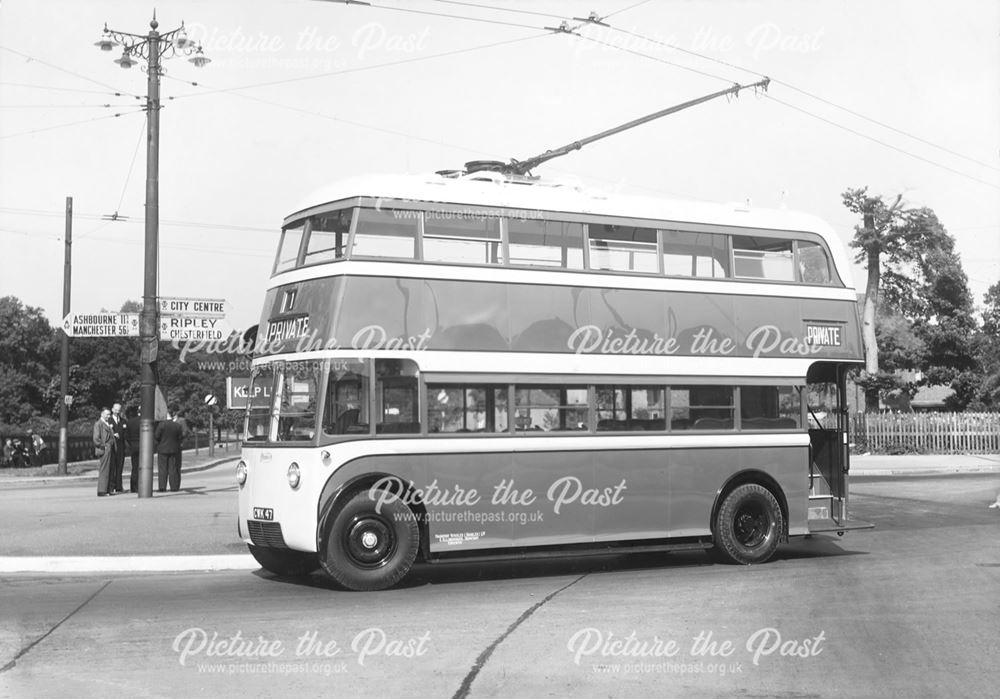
(433, 314)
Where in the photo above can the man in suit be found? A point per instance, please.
(132, 441)
(169, 436)
(104, 440)
(118, 453)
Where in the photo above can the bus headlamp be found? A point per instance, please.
(241, 473)
(294, 475)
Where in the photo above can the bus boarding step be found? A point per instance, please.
(818, 526)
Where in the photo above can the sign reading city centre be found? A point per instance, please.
(193, 319)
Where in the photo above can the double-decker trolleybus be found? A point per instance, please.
(478, 364)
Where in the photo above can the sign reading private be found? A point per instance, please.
(101, 325)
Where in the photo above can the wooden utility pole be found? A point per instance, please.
(64, 356)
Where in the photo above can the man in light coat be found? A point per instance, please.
(104, 440)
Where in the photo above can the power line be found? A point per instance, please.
(446, 15)
(625, 9)
(128, 176)
(64, 106)
(654, 58)
(887, 126)
(807, 112)
(882, 143)
(64, 89)
(165, 222)
(346, 71)
(64, 70)
(72, 123)
(503, 9)
(807, 94)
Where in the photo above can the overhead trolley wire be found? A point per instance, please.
(72, 123)
(346, 71)
(830, 103)
(33, 59)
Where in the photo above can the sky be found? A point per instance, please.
(900, 96)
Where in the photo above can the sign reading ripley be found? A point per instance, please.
(181, 327)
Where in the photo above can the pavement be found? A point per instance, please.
(60, 527)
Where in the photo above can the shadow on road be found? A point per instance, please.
(449, 573)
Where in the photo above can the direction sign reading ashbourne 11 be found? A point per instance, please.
(101, 325)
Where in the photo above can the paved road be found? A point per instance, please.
(906, 610)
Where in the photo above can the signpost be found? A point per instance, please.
(101, 324)
(194, 319)
(193, 328)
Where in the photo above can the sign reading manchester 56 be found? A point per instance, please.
(193, 328)
(101, 325)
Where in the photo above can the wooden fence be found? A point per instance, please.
(926, 433)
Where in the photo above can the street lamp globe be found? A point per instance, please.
(181, 40)
(126, 61)
(106, 43)
(199, 59)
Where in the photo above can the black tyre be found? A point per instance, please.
(367, 549)
(285, 562)
(748, 526)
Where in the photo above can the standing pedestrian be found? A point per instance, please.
(132, 441)
(37, 447)
(169, 436)
(118, 452)
(8, 453)
(104, 440)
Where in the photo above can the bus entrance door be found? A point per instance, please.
(829, 453)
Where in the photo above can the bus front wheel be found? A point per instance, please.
(284, 562)
(748, 525)
(370, 544)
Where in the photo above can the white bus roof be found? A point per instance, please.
(489, 189)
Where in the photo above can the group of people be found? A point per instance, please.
(17, 454)
(116, 435)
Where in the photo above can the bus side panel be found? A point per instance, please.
(634, 484)
(457, 490)
(696, 475)
(558, 481)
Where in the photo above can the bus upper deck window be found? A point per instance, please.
(759, 257)
(386, 233)
(694, 254)
(327, 236)
(623, 248)
(814, 265)
(545, 243)
(453, 237)
(288, 248)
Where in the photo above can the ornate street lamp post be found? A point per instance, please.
(152, 48)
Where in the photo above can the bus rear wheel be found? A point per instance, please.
(369, 547)
(748, 525)
(284, 562)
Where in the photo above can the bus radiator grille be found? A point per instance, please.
(266, 534)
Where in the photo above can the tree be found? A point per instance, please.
(27, 360)
(879, 234)
(914, 270)
(988, 353)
